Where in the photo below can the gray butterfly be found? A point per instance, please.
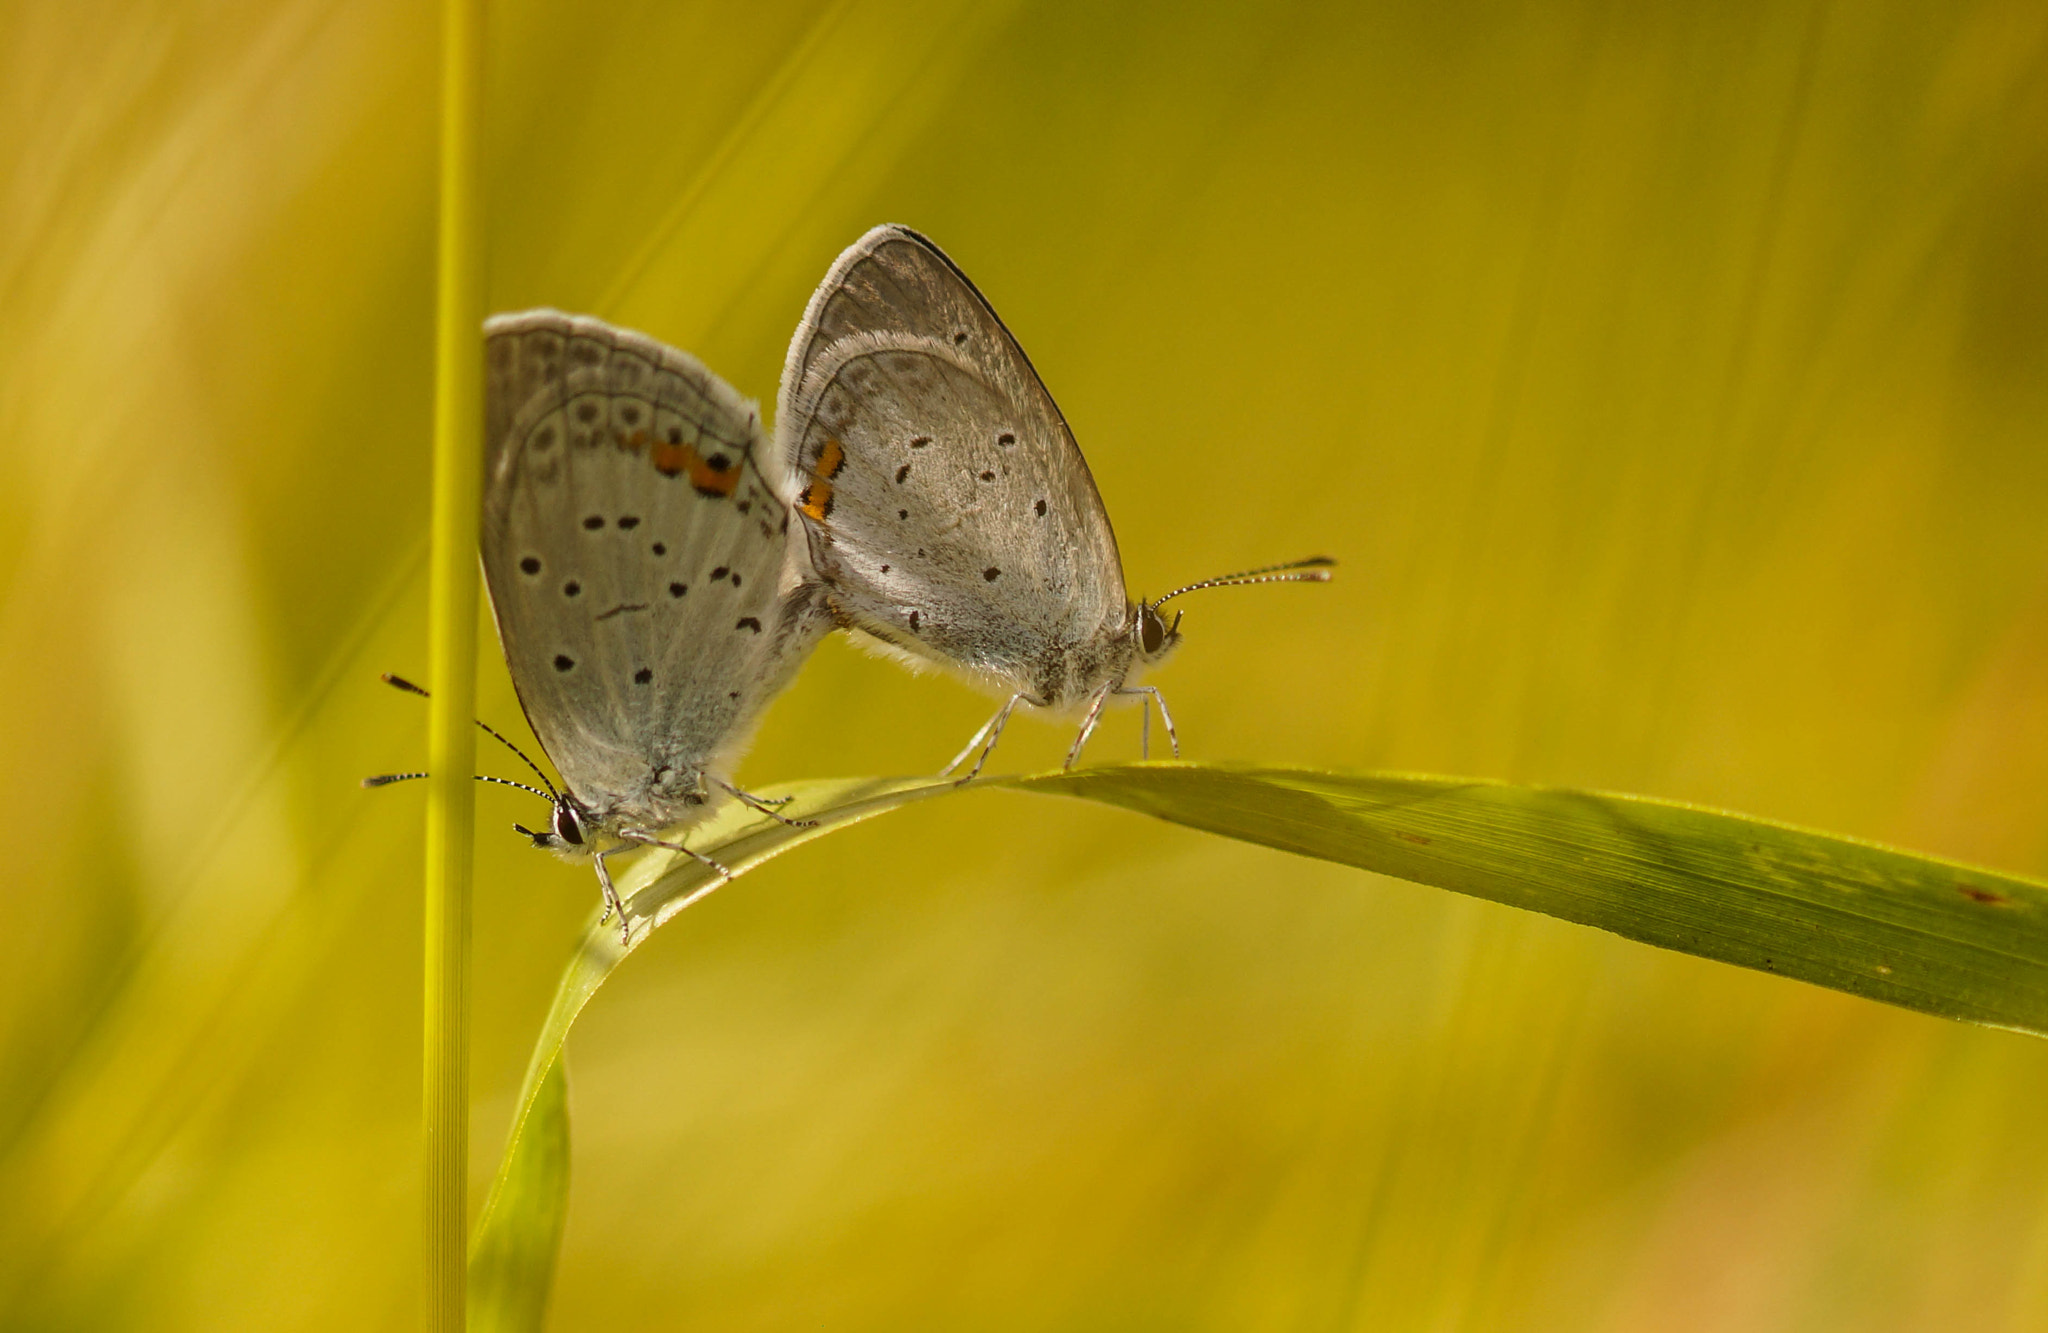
(649, 589)
(948, 509)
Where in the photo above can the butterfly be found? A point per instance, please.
(948, 510)
(650, 592)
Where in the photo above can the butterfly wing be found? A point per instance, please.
(948, 507)
(638, 562)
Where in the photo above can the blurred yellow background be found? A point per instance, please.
(1672, 381)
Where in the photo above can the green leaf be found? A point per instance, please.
(1910, 930)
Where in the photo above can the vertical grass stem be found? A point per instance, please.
(451, 654)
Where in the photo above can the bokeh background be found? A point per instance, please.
(1672, 380)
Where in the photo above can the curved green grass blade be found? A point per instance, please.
(512, 1259)
(512, 1255)
(1910, 930)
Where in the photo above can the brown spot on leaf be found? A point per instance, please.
(1986, 896)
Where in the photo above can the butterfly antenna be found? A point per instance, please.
(401, 683)
(1315, 569)
(386, 779)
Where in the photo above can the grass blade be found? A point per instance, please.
(451, 653)
(1910, 930)
(512, 1258)
(512, 1266)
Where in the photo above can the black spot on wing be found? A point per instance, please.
(748, 622)
(629, 522)
(571, 588)
(901, 473)
(678, 589)
(991, 574)
(1040, 507)
(530, 565)
(564, 662)
(594, 522)
(642, 676)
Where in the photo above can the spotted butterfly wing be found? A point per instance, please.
(948, 507)
(637, 561)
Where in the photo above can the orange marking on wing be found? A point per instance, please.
(714, 476)
(816, 500)
(717, 475)
(671, 459)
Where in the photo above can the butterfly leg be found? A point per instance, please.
(649, 840)
(972, 741)
(991, 732)
(1088, 723)
(612, 901)
(764, 806)
(1145, 741)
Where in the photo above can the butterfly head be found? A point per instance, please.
(569, 828)
(1154, 638)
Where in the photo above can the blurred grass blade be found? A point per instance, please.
(512, 1256)
(451, 658)
(512, 1265)
(1910, 930)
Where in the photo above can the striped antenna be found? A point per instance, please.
(1315, 569)
(386, 779)
(401, 683)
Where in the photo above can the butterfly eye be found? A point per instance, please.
(567, 826)
(1151, 631)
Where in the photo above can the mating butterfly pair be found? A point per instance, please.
(658, 570)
